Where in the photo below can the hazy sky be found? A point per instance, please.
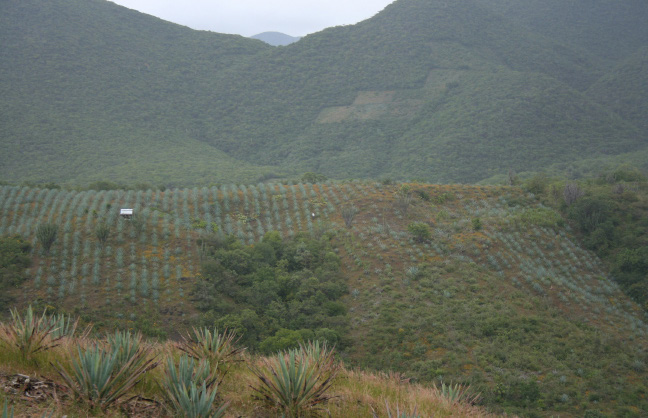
(249, 17)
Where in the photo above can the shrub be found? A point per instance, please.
(420, 231)
(297, 381)
(572, 193)
(46, 234)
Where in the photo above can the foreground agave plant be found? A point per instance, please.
(101, 375)
(202, 343)
(190, 389)
(298, 379)
(31, 334)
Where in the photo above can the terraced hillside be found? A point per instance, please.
(476, 284)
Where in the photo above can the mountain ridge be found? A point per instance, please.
(249, 105)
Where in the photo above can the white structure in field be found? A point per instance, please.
(126, 213)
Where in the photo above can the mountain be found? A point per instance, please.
(95, 91)
(475, 285)
(276, 38)
(625, 89)
(609, 30)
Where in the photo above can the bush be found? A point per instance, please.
(420, 231)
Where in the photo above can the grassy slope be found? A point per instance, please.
(356, 393)
(516, 307)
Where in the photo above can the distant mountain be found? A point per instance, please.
(609, 29)
(436, 90)
(276, 38)
(625, 89)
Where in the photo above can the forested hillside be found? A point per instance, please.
(92, 91)
(469, 284)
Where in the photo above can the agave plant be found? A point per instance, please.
(298, 380)
(190, 389)
(30, 334)
(125, 345)
(101, 375)
(398, 413)
(64, 326)
(458, 393)
(202, 343)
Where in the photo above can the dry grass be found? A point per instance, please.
(355, 393)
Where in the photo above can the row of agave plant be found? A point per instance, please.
(101, 372)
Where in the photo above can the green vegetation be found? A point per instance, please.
(484, 90)
(517, 309)
(106, 382)
(190, 389)
(298, 381)
(46, 234)
(267, 290)
(610, 213)
(218, 348)
(14, 260)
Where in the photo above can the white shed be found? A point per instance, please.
(126, 213)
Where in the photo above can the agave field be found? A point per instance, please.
(478, 284)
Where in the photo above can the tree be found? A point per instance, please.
(313, 178)
(46, 234)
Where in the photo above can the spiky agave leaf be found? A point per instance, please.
(64, 326)
(125, 344)
(30, 334)
(218, 348)
(190, 389)
(99, 379)
(398, 413)
(458, 393)
(298, 379)
(6, 413)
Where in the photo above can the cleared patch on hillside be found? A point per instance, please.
(372, 105)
